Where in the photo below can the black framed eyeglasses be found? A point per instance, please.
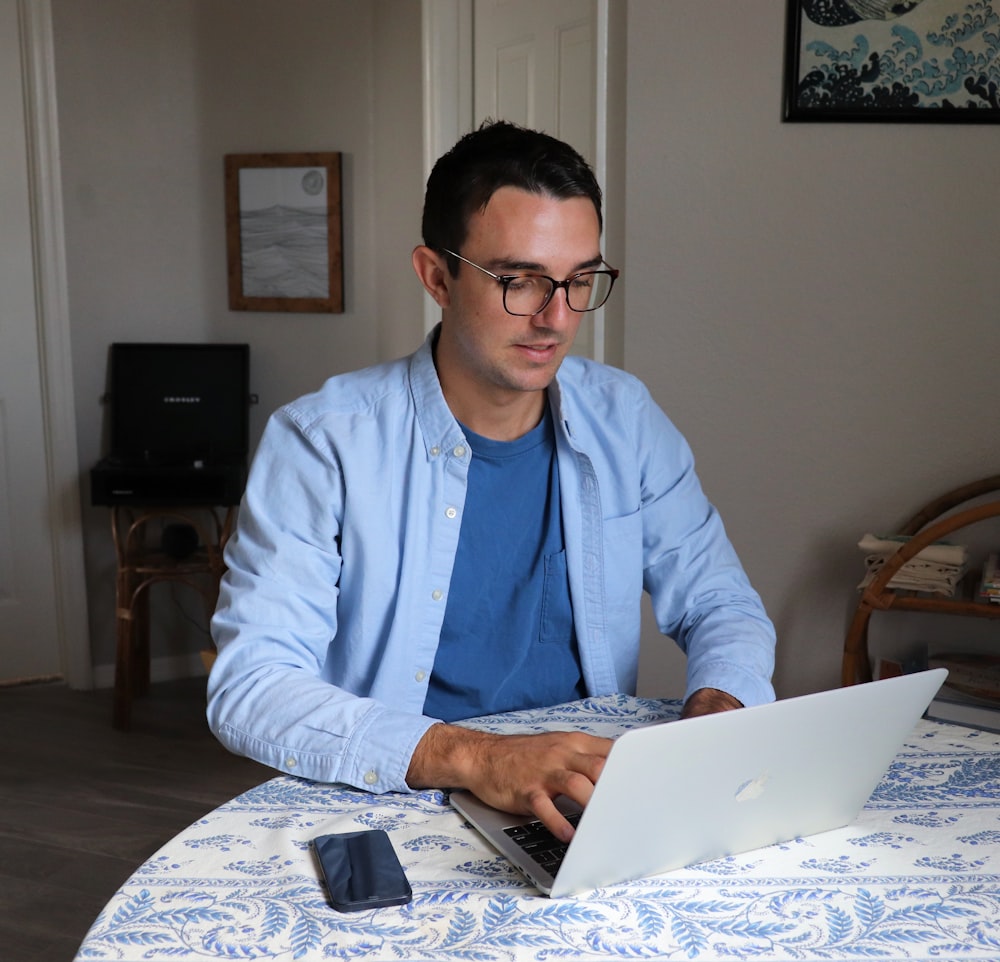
(525, 295)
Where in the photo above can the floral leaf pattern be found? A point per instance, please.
(917, 876)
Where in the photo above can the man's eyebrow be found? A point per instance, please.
(509, 266)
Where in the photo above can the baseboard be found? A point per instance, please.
(168, 668)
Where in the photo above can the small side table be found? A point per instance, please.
(142, 562)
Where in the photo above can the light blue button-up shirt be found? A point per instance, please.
(338, 574)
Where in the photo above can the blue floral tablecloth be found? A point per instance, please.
(917, 876)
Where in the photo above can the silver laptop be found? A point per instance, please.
(675, 794)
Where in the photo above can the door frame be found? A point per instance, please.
(447, 41)
(54, 347)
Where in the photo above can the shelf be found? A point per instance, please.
(943, 606)
(965, 603)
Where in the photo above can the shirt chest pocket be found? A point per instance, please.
(556, 622)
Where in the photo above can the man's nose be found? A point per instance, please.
(557, 312)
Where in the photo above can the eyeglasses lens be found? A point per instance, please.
(528, 294)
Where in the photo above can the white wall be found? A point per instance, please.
(151, 95)
(815, 305)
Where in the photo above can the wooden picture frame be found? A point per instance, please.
(284, 233)
(909, 61)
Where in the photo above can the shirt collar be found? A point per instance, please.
(440, 430)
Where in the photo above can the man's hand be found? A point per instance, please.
(708, 701)
(515, 773)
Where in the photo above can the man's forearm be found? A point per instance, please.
(445, 757)
(450, 756)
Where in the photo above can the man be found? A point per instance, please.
(470, 529)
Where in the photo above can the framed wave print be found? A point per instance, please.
(283, 232)
(915, 61)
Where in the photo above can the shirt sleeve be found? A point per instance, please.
(701, 595)
(276, 620)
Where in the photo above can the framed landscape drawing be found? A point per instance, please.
(935, 61)
(283, 232)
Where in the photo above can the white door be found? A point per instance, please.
(534, 63)
(29, 640)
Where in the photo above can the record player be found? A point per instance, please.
(179, 425)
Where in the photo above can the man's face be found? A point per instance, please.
(483, 349)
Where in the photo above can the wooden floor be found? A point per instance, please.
(82, 806)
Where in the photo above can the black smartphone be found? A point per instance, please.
(361, 870)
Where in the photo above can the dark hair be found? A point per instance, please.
(498, 154)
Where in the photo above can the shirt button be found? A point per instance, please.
(459, 451)
(420, 676)
(450, 512)
(371, 777)
(290, 763)
(437, 594)
(435, 451)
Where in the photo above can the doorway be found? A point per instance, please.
(43, 610)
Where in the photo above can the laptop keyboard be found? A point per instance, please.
(538, 842)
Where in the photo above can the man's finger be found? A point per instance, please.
(544, 809)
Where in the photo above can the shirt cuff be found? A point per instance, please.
(380, 748)
(748, 688)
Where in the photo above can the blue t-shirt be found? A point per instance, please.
(508, 641)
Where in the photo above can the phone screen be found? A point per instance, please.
(361, 870)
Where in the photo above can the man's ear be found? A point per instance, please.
(431, 270)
